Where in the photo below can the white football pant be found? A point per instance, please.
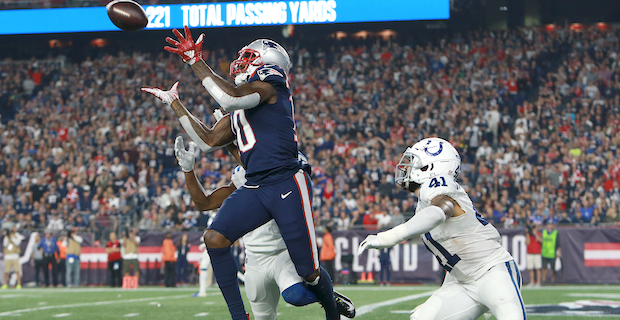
(498, 291)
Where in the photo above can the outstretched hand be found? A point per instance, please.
(185, 47)
(371, 242)
(186, 158)
(166, 97)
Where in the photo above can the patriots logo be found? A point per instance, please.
(270, 44)
(266, 72)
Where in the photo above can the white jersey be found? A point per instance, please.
(467, 246)
(265, 239)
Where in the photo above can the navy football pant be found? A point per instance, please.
(289, 203)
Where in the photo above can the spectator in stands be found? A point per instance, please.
(328, 253)
(515, 130)
(50, 252)
(73, 243)
(37, 259)
(11, 243)
(534, 241)
(147, 222)
(550, 251)
(62, 259)
(113, 249)
(181, 267)
(130, 245)
(169, 260)
(386, 266)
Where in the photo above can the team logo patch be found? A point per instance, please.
(432, 154)
(266, 72)
(270, 44)
(583, 308)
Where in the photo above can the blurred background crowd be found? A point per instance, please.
(534, 114)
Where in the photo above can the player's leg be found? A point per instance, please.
(261, 288)
(545, 265)
(499, 289)
(240, 213)
(294, 290)
(552, 265)
(450, 302)
(289, 203)
(203, 277)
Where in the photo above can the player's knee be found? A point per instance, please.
(313, 276)
(296, 295)
(214, 239)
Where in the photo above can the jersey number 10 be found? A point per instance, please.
(245, 135)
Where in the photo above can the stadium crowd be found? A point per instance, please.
(533, 113)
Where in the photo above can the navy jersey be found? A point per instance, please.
(266, 135)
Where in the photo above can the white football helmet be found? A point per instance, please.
(255, 54)
(426, 159)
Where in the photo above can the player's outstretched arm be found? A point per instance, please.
(207, 139)
(228, 96)
(202, 199)
(441, 208)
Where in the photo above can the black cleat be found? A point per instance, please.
(345, 305)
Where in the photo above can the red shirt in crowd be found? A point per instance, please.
(114, 256)
(534, 246)
(369, 222)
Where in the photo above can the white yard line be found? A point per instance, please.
(371, 307)
(89, 304)
(392, 288)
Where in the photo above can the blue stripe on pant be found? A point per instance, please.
(512, 267)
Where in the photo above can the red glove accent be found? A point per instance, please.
(189, 51)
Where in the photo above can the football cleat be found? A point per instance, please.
(345, 305)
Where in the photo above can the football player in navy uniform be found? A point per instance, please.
(262, 124)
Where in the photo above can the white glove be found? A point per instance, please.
(371, 242)
(186, 158)
(218, 115)
(238, 177)
(166, 97)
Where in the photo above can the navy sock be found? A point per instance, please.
(225, 271)
(299, 295)
(324, 291)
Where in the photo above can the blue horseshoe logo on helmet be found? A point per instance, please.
(432, 154)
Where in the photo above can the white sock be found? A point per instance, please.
(204, 278)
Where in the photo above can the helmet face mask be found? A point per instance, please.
(247, 57)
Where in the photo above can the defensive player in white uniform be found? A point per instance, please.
(269, 270)
(206, 272)
(482, 275)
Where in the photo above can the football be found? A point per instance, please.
(128, 15)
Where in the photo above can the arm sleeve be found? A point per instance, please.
(78, 239)
(420, 223)
(228, 102)
(138, 240)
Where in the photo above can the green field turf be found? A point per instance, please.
(176, 303)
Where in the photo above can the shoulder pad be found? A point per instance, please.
(436, 186)
(269, 73)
